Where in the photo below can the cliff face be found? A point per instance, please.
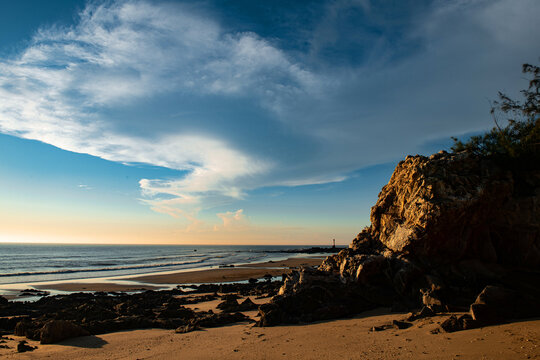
(443, 228)
(451, 207)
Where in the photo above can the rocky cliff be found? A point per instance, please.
(443, 228)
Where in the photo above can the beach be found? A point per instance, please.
(156, 281)
(337, 339)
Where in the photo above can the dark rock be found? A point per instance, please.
(467, 322)
(451, 324)
(173, 310)
(454, 323)
(381, 327)
(57, 330)
(247, 305)
(28, 329)
(431, 300)
(3, 300)
(215, 320)
(125, 323)
(23, 346)
(493, 305)
(230, 304)
(401, 324)
(423, 313)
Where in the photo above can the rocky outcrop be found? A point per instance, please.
(450, 207)
(443, 228)
(54, 318)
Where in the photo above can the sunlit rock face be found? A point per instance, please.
(449, 207)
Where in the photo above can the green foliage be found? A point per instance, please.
(520, 138)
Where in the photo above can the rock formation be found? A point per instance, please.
(443, 228)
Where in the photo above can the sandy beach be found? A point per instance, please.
(337, 339)
(151, 282)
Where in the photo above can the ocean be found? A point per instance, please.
(31, 263)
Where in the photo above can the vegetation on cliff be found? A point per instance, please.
(520, 137)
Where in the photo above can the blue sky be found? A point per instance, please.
(236, 121)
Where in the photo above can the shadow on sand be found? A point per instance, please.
(89, 342)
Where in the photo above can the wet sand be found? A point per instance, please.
(152, 281)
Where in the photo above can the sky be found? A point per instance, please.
(236, 122)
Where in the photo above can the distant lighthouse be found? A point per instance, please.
(334, 245)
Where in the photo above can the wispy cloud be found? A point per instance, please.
(359, 95)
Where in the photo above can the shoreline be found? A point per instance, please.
(169, 279)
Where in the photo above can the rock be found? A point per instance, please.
(27, 329)
(369, 268)
(23, 346)
(270, 314)
(173, 310)
(215, 320)
(493, 305)
(186, 328)
(467, 322)
(454, 323)
(381, 327)
(230, 304)
(247, 305)
(423, 313)
(3, 300)
(401, 324)
(458, 206)
(57, 330)
(451, 324)
(431, 300)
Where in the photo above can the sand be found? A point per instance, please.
(147, 282)
(338, 339)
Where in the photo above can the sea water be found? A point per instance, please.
(31, 263)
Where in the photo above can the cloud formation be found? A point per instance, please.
(169, 85)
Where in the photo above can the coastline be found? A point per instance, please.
(169, 279)
(351, 338)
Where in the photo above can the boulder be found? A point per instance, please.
(493, 305)
(28, 329)
(450, 207)
(463, 322)
(57, 330)
(230, 304)
(3, 300)
(23, 346)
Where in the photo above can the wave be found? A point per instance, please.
(116, 268)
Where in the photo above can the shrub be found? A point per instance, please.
(519, 139)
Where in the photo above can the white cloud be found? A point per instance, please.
(119, 52)
(332, 120)
(233, 221)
